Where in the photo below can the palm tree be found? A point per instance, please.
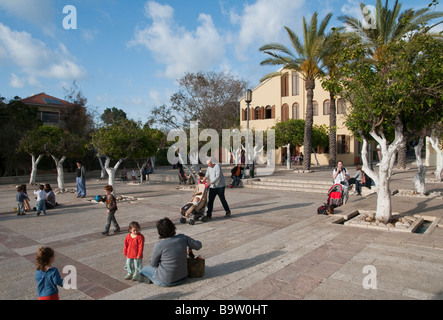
(308, 61)
(390, 25)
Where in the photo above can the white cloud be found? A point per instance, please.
(263, 21)
(16, 82)
(35, 59)
(179, 49)
(39, 13)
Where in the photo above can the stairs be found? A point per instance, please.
(297, 185)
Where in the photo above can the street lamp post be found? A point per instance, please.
(248, 99)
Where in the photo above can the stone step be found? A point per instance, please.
(288, 185)
(291, 184)
(285, 188)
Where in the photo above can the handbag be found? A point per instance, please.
(196, 267)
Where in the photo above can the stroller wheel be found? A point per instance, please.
(182, 220)
(205, 219)
(192, 222)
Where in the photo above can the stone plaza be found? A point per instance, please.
(273, 247)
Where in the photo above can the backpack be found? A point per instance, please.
(325, 209)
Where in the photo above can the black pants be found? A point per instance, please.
(220, 192)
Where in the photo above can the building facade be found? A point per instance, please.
(282, 98)
(50, 109)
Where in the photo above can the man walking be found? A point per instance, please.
(81, 180)
(216, 187)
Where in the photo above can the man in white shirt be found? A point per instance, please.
(340, 174)
(216, 187)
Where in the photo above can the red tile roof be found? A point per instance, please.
(43, 99)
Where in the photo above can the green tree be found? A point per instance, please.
(308, 61)
(121, 141)
(16, 119)
(401, 91)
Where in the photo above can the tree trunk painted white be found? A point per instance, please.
(153, 163)
(435, 142)
(111, 172)
(34, 168)
(382, 179)
(60, 172)
(140, 169)
(103, 170)
(419, 178)
(288, 156)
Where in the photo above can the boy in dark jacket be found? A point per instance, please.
(111, 204)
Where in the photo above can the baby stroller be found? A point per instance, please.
(193, 210)
(337, 196)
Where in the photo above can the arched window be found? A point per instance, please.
(285, 85)
(296, 111)
(257, 113)
(315, 108)
(326, 107)
(284, 112)
(268, 112)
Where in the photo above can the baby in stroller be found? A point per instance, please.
(196, 208)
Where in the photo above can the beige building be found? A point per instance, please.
(283, 98)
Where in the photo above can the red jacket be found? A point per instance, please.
(133, 248)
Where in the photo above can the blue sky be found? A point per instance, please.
(129, 54)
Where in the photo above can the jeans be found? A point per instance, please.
(220, 192)
(134, 266)
(41, 206)
(111, 218)
(149, 272)
(20, 208)
(81, 187)
(236, 181)
(357, 184)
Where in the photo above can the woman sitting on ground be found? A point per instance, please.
(168, 265)
(50, 197)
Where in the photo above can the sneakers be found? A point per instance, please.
(228, 214)
(128, 276)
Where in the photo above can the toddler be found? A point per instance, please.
(41, 200)
(46, 276)
(133, 250)
(20, 197)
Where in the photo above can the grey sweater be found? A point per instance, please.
(170, 257)
(215, 176)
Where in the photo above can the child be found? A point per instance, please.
(198, 195)
(111, 204)
(41, 200)
(133, 175)
(20, 197)
(27, 206)
(47, 277)
(133, 250)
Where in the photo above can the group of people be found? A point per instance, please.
(167, 266)
(341, 175)
(45, 199)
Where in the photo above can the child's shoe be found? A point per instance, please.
(128, 276)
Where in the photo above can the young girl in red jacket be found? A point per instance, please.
(133, 250)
